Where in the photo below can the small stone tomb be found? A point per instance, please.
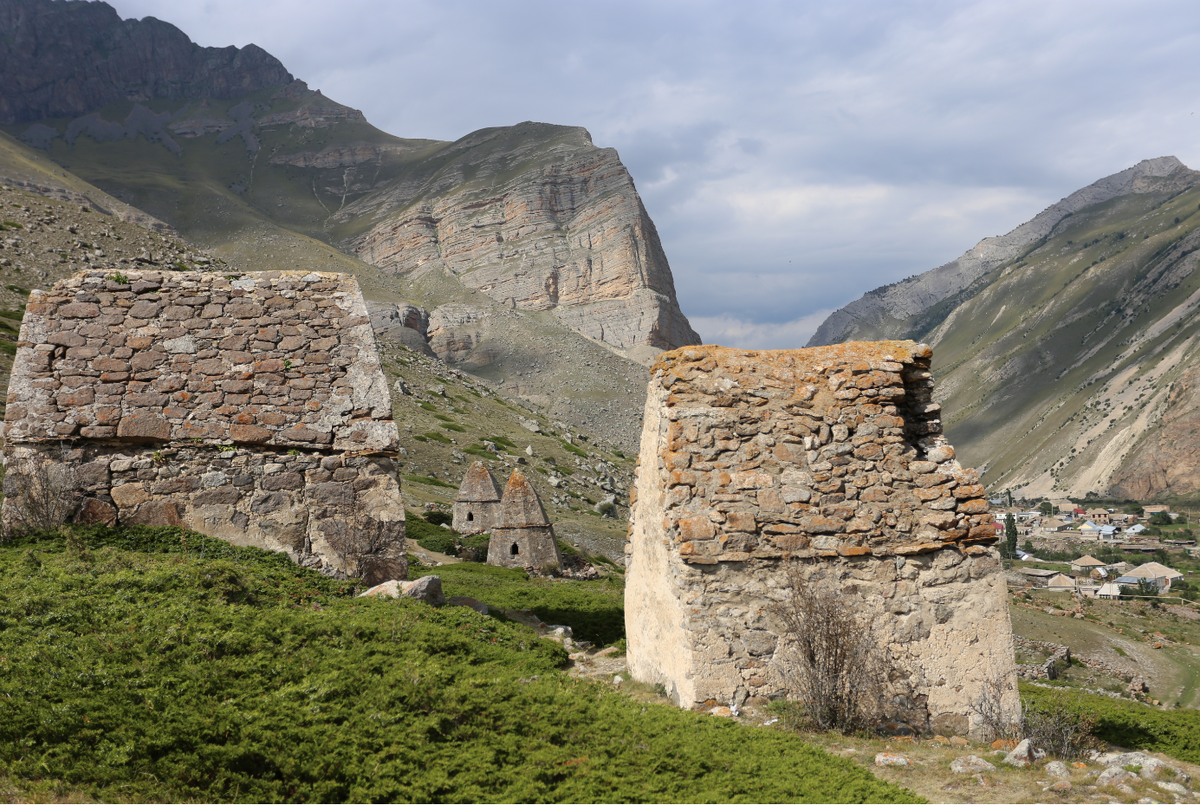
(521, 533)
(831, 459)
(250, 407)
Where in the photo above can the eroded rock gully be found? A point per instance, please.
(832, 459)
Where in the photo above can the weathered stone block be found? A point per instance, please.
(854, 481)
(148, 385)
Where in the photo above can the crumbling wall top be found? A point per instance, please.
(812, 452)
(285, 359)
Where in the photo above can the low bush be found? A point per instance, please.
(477, 545)
(439, 517)
(595, 610)
(153, 664)
(431, 537)
(1132, 725)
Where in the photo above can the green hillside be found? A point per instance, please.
(159, 665)
(1059, 368)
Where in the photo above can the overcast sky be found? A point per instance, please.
(793, 155)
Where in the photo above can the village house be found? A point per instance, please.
(1160, 575)
(1098, 516)
(1085, 564)
(1060, 582)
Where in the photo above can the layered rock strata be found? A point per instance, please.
(567, 233)
(829, 460)
(251, 407)
(522, 536)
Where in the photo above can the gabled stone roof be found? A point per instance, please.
(478, 486)
(520, 506)
(285, 359)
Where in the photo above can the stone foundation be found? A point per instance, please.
(830, 458)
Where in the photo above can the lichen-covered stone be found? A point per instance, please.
(187, 398)
(522, 536)
(477, 503)
(831, 458)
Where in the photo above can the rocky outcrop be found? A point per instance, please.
(187, 399)
(894, 311)
(66, 59)
(829, 463)
(567, 233)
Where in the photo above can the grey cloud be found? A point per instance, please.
(862, 142)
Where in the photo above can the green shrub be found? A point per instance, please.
(439, 517)
(155, 664)
(423, 479)
(1134, 725)
(429, 536)
(478, 450)
(570, 448)
(478, 543)
(454, 427)
(434, 436)
(595, 610)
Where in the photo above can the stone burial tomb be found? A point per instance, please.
(249, 407)
(521, 534)
(830, 462)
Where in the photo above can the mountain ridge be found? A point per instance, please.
(892, 311)
(1070, 366)
(125, 60)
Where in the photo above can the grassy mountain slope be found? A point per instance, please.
(1070, 366)
(1062, 369)
(140, 665)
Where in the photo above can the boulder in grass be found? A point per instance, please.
(892, 759)
(426, 588)
(1024, 754)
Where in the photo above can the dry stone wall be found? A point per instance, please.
(252, 407)
(831, 458)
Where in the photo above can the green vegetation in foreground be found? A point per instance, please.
(1135, 726)
(595, 610)
(157, 664)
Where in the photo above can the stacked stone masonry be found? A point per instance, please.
(521, 534)
(831, 458)
(252, 407)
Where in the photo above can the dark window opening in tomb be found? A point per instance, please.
(470, 516)
(515, 550)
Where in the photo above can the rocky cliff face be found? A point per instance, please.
(527, 246)
(1069, 366)
(62, 59)
(568, 233)
(912, 307)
